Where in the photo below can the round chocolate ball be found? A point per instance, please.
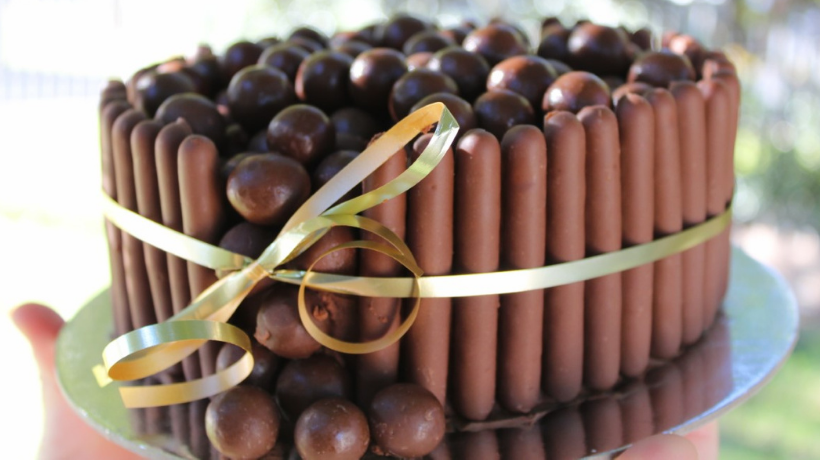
(340, 262)
(302, 132)
(267, 188)
(258, 143)
(418, 60)
(265, 363)
(457, 34)
(468, 70)
(554, 42)
(598, 49)
(560, 67)
(256, 94)
(331, 166)
(246, 238)
(427, 40)
(495, 43)
(310, 34)
(332, 429)
(397, 30)
(278, 326)
(154, 88)
(352, 48)
(406, 420)
(355, 122)
(242, 422)
(642, 38)
(462, 110)
(660, 68)
(414, 86)
(690, 47)
(236, 140)
(529, 76)
(497, 111)
(238, 56)
(286, 57)
(302, 382)
(198, 111)
(267, 42)
(311, 46)
(522, 36)
(575, 90)
(637, 87)
(372, 76)
(322, 80)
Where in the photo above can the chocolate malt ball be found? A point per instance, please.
(332, 429)
(414, 86)
(243, 422)
(598, 49)
(341, 262)
(574, 91)
(248, 239)
(354, 128)
(256, 94)
(427, 40)
(467, 69)
(302, 132)
(266, 189)
(311, 46)
(529, 76)
(310, 34)
(497, 111)
(278, 326)
(331, 166)
(660, 68)
(198, 111)
(418, 60)
(495, 43)
(352, 48)
(406, 420)
(322, 80)
(397, 30)
(265, 363)
(462, 110)
(154, 88)
(372, 76)
(553, 44)
(302, 382)
(458, 33)
(286, 57)
(238, 56)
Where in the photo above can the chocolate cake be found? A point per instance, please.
(592, 140)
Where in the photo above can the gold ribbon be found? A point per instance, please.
(151, 349)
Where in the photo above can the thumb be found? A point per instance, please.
(41, 326)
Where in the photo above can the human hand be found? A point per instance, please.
(701, 444)
(66, 435)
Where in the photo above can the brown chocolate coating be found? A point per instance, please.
(372, 76)
(477, 217)
(311, 46)
(331, 166)
(258, 143)
(355, 122)
(426, 346)
(467, 69)
(242, 422)
(560, 67)
(598, 49)
(286, 57)
(686, 45)
(636, 127)
(342, 261)
(311, 34)
(495, 43)
(199, 112)
(406, 420)
(642, 37)
(575, 90)
(322, 80)
(267, 42)
(353, 48)
(236, 140)
(499, 110)
(278, 326)
(554, 42)
(266, 189)
(229, 165)
(397, 30)
(332, 429)
(461, 109)
(247, 239)
(529, 76)
(238, 56)
(660, 68)
(427, 40)
(154, 88)
(414, 86)
(265, 364)
(564, 305)
(629, 88)
(302, 132)
(302, 382)
(523, 245)
(206, 74)
(256, 94)
(418, 60)
(457, 34)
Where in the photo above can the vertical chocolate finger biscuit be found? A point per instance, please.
(523, 245)
(477, 243)
(563, 334)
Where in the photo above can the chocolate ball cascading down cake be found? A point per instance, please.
(597, 141)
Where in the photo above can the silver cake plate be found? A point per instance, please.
(750, 341)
